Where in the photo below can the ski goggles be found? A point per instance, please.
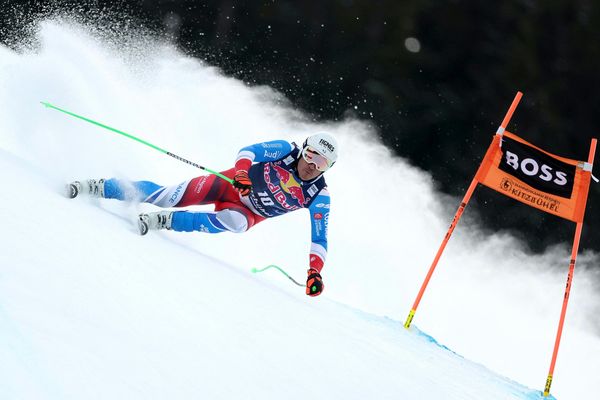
(311, 156)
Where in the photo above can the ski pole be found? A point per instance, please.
(175, 156)
(254, 270)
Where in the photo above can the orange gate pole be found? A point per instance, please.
(563, 313)
(457, 216)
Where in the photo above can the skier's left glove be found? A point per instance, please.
(242, 183)
(314, 283)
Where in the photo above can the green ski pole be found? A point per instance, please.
(175, 156)
(254, 270)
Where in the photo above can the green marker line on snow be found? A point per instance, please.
(48, 105)
(254, 270)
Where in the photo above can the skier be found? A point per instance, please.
(269, 179)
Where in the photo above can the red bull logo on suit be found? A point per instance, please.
(290, 185)
(287, 184)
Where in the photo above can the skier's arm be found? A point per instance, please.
(319, 218)
(259, 152)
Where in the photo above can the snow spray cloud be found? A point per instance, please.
(489, 299)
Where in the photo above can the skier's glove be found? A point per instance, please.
(242, 183)
(314, 283)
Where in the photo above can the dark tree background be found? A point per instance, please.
(435, 76)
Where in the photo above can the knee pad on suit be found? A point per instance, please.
(233, 221)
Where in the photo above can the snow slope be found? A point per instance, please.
(88, 309)
(92, 310)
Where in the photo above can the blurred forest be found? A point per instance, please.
(434, 76)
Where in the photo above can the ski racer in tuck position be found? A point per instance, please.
(269, 179)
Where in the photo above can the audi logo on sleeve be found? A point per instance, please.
(536, 168)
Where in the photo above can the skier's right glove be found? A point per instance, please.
(242, 183)
(314, 283)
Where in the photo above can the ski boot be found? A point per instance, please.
(90, 187)
(154, 221)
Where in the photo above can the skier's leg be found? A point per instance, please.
(209, 189)
(114, 189)
(235, 218)
(208, 221)
(227, 209)
(206, 189)
(188, 221)
(144, 191)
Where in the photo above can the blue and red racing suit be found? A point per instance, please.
(276, 190)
